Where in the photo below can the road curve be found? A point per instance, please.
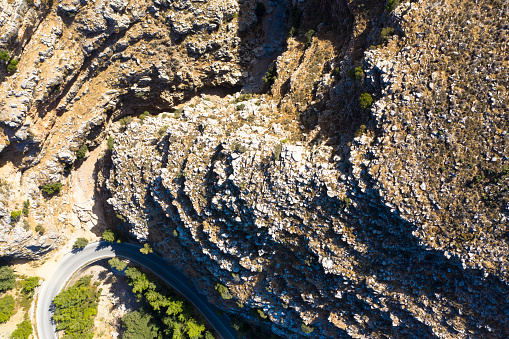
(101, 250)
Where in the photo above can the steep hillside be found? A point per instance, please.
(326, 169)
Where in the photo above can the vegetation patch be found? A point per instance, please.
(52, 188)
(76, 308)
(6, 308)
(163, 315)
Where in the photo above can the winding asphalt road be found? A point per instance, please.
(101, 250)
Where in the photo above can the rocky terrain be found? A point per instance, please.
(340, 167)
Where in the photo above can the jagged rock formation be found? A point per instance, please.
(369, 223)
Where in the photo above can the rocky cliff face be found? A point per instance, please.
(330, 219)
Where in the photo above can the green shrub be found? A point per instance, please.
(223, 291)
(52, 188)
(306, 329)
(82, 152)
(23, 330)
(356, 73)
(80, 243)
(146, 249)
(4, 55)
(392, 5)
(15, 215)
(126, 121)
(110, 143)
(6, 308)
(40, 229)
(7, 278)
(386, 33)
(365, 100)
(117, 264)
(26, 206)
(309, 37)
(139, 325)
(270, 77)
(12, 66)
(260, 9)
(110, 235)
(29, 284)
(240, 107)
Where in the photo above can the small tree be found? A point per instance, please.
(4, 55)
(117, 264)
(109, 235)
(223, 291)
(306, 329)
(26, 206)
(146, 249)
(29, 284)
(365, 100)
(82, 152)
(386, 33)
(52, 188)
(12, 66)
(80, 243)
(15, 215)
(40, 229)
(110, 143)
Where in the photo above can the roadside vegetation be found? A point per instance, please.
(76, 308)
(163, 313)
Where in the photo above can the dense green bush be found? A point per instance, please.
(139, 325)
(29, 284)
(80, 243)
(82, 152)
(26, 206)
(15, 215)
(306, 329)
(12, 66)
(146, 249)
(40, 229)
(6, 308)
(356, 73)
(22, 331)
(110, 235)
(365, 100)
(117, 264)
(4, 55)
(76, 308)
(7, 278)
(223, 291)
(52, 188)
(110, 143)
